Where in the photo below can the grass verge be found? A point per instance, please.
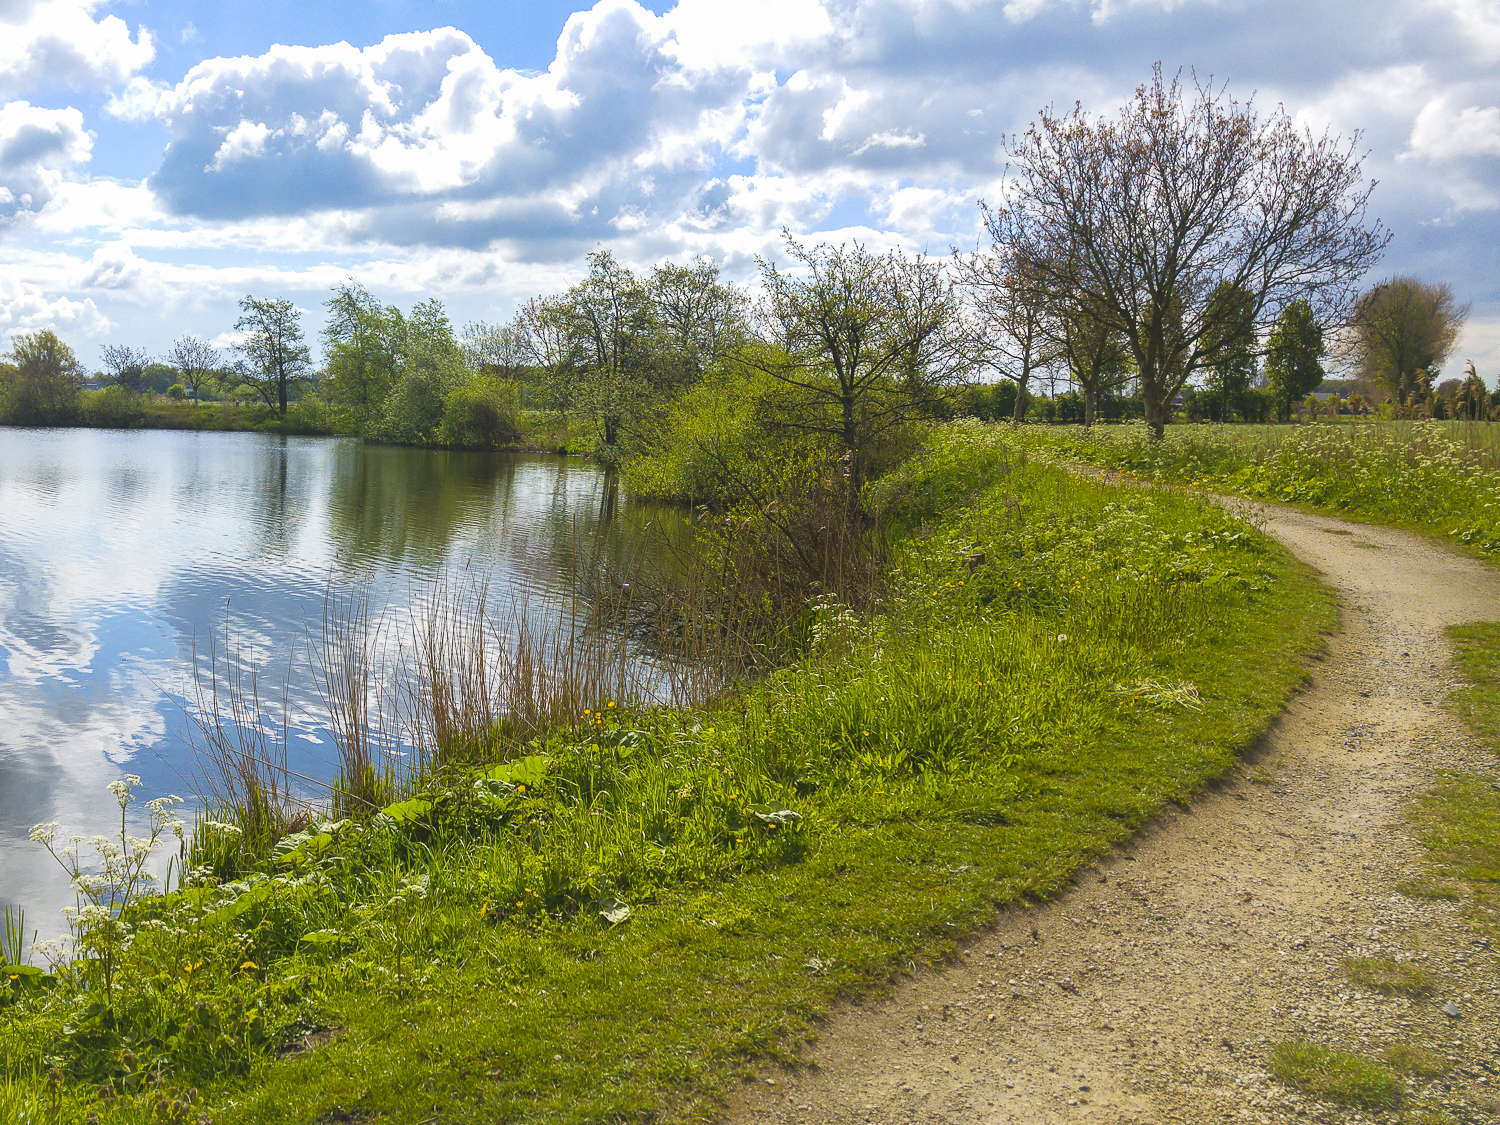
(651, 903)
(1433, 477)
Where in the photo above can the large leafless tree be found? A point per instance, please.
(1149, 212)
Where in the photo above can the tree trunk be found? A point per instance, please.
(1019, 413)
(1155, 420)
(281, 394)
(1089, 409)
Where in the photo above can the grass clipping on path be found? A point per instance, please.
(1335, 1076)
(675, 898)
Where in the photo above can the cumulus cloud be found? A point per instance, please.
(26, 307)
(1443, 133)
(424, 164)
(36, 146)
(429, 116)
(61, 42)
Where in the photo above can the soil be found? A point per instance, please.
(1154, 990)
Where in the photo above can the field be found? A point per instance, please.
(1437, 477)
(617, 918)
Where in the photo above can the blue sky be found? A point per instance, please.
(159, 160)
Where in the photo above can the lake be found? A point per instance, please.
(124, 553)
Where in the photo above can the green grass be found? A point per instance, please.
(1058, 659)
(1435, 477)
(1414, 1061)
(1336, 1076)
(1390, 978)
(1460, 818)
(1477, 654)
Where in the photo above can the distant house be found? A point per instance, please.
(95, 383)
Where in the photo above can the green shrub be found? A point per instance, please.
(113, 408)
(480, 414)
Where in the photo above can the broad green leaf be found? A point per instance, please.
(613, 909)
(530, 771)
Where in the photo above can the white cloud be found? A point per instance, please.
(26, 307)
(60, 41)
(36, 146)
(1441, 134)
(137, 100)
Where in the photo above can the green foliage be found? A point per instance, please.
(480, 414)
(112, 408)
(1336, 1076)
(1293, 356)
(39, 387)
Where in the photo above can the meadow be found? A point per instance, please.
(1436, 477)
(616, 912)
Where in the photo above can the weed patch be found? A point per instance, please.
(1335, 1076)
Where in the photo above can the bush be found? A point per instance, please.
(414, 408)
(113, 408)
(309, 415)
(481, 414)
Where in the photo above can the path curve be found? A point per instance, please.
(1153, 990)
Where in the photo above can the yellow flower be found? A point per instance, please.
(249, 965)
(611, 702)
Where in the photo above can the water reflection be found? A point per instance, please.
(122, 553)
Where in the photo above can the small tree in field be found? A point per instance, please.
(276, 355)
(196, 363)
(1014, 324)
(1403, 329)
(1149, 213)
(126, 366)
(41, 389)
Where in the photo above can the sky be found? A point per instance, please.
(161, 159)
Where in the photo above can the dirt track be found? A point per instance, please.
(1154, 990)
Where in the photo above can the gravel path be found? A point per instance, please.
(1153, 991)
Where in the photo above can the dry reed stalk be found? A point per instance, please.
(243, 766)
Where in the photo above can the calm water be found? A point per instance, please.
(121, 551)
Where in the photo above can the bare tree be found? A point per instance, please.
(126, 366)
(1402, 330)
(1007, 323)
(1150, 212)
(277, 357)
(196, 363)
(544, 342)
(871, 338)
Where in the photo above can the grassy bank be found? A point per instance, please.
(616, 924)
(113, 408)
(1435, 477)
